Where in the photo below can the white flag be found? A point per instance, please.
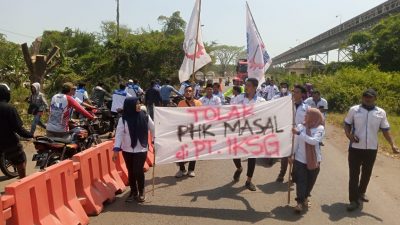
(257, 56)
(189, 46)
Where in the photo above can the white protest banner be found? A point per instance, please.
(261, 130)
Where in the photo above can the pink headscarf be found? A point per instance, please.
(314, 118)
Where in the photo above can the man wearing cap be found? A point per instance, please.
(133, 88)
(362, 125)
(60, 109)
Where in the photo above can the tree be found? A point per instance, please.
(12, 68)
(379, 45)
(173, 25)
(226, 55)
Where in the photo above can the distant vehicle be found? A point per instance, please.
(241, 69)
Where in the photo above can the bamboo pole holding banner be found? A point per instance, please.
(154, 169)
(154, 158)
(196, 44)
(292, 151)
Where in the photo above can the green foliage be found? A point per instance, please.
(345, 87)
(225, 55)
(12, 66)
(173, 25)
(379, 45)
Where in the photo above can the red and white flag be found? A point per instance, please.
(257, 56)
(195, 53)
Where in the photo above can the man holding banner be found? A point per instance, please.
(189, 101)
(250, 97)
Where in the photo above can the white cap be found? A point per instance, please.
(130, 81)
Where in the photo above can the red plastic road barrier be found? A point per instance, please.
(47, 197)
(150, 152)
(6, 201)
(90, 187)
(121, 168)
(108, 172)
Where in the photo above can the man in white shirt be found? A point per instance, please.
(217, 92)
(81, 93)
(183, 87)
(362, 125)
(133, 89)
(118, 99)
(250, 97)
(209, 98)
(317, 102)
(271, 91)
(300, 114)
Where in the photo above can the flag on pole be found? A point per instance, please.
(195, 54)
(257, 56)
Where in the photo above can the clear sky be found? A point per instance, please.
(282, 23)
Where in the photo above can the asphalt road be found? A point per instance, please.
(212, 198)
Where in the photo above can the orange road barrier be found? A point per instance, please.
(90, 185)
(47, 197)
(121, 168)
(108, 171)
(150, 152)
(6, 201)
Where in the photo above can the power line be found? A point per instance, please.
(15, 33)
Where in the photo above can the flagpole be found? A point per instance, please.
(252, 19)
(197, 40)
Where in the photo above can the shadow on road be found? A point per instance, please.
(273, 187)
(283, 213)
(222, 214)
(337, 211)
(226, 191)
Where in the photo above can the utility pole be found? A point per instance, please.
(117, 20)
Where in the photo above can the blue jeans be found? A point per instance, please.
(36, 121)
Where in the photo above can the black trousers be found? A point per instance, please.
(304, 179)
(192, 165)
(251, 165)
(284, 166)
(360, 160)
(134, 163)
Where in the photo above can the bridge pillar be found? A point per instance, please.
(322, 57)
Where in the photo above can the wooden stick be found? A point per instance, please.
(291, 164)
(154, 169)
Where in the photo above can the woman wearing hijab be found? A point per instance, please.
(131, 137)
(307, 156)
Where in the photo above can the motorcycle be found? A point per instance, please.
(106, 120)
(52, 150)
(7, 168)
(174, 100)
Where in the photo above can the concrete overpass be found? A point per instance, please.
(336, 37)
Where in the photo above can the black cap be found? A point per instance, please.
(369, 93)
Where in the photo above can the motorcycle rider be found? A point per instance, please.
(11, 125)
(60, 108)
(98, 95)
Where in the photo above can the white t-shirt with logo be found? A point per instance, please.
(213, 101)
(366, 125)
(242, 99)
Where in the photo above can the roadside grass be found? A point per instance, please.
(337, 119)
